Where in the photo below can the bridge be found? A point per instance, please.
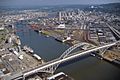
(52, 65)
(58, 61)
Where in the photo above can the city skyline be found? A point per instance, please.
(20, 3)
(59, 39)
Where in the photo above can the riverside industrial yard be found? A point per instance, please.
(60, 43)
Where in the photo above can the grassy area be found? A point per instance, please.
(60, 31)
(46, 32)
(51, 32)
(2, 35)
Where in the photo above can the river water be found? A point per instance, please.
(85, 68)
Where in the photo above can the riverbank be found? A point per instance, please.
(70, 37)
(16, 59)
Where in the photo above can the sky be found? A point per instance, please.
(52, 2)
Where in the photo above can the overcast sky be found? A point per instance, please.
(52, 2)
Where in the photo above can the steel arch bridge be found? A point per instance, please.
(51, 66)
(51, 69)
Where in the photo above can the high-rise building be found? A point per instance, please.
(60, 16)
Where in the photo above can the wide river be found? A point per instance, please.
(87, 68)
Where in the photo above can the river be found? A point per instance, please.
(86, 68)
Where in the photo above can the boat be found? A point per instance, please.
(28, 49)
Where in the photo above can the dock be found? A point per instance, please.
(112, 56)
(60, 76)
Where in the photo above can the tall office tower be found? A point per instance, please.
(60, 16)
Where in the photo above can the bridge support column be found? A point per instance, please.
(102, 51)
(23, 77)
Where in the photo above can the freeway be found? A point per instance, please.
(114, 30)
